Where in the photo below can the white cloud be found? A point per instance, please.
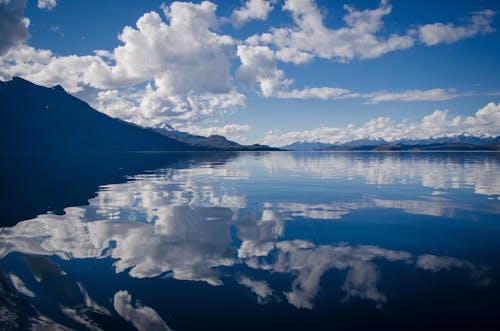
(439, 33)
(13, 26)
(252, 10)
(142, 317)
(310, 37)
(437, 94)
(323, 93)
(183, 57)
(225, 130)
(486, 121)
(258, 66)
(23, 61)
(359, 38)
(188, 63)
(185, 61)
(47, 4)
(148, 107)
(333, 93)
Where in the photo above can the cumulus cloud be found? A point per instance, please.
(252, 10)
(360, 37)
(187, 63)
(310, 37)
(259, 66)
(485, 122)
(13, 25)
(439, 33)
(184, 56)
(142, 317)
(47, 4)
(148, 107)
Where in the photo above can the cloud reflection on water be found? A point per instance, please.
(190, 224)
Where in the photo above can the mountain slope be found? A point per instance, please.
(39, 119)
(216, 142)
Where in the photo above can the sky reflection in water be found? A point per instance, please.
(277, 225)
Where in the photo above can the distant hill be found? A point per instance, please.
(40, 119)
(307, 146)
(212, 142)
(459, 142)
(458, 139)
(441, 147)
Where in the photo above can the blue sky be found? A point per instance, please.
(272, 72)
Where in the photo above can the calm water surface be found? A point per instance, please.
(257, 241)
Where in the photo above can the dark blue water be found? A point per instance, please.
(251, 241)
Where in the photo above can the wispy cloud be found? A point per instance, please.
(436, 94)
(335, 93)
(323, 93)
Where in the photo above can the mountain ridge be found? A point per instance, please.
(212, 141)
(34, 118)
(455, 142)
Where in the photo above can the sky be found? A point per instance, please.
(271, 72)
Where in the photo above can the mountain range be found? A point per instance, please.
(457, 142)
(40, 119)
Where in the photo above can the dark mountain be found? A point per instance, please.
(39, 119)
(216, 142)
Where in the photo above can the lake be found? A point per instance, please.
(251, 241)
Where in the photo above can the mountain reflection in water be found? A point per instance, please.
(304, 237)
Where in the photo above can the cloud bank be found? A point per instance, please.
(485, 122)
